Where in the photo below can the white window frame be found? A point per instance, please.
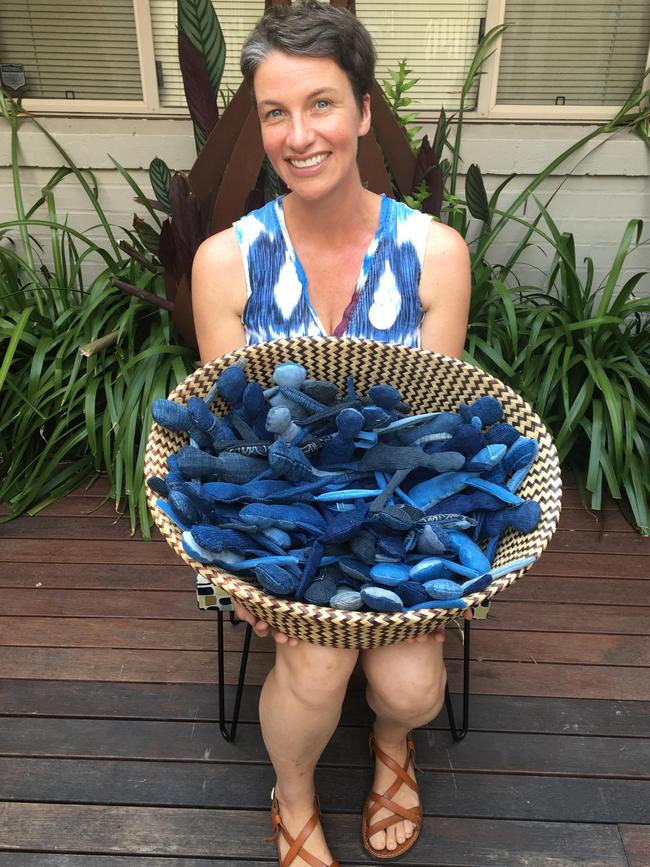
(486, 109)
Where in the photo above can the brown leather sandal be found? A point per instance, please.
(296, 844)
(375, 802)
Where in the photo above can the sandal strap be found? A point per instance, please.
(402, 776)
(399, 812)
(296, 844)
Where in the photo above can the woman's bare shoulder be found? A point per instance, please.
(446, 263)
(218, 267)
(444, 240)
(218, 295)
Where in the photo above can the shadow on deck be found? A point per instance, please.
(110, 754)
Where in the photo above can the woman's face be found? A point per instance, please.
(310, 122)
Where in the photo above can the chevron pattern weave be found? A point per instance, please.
(428, 382)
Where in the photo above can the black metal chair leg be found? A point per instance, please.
(459, 734)
(229, 735)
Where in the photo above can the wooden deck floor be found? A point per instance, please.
(110, 754)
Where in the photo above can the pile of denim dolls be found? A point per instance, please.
(345, 501)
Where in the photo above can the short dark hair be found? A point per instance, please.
(316, 30)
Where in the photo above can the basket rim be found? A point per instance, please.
(248, 594)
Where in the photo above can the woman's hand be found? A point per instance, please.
(260, 628)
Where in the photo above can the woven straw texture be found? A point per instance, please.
(428, 382)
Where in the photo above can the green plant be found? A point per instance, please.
(395, 88)
(79, 362)
(579, 353)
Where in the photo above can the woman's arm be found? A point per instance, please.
(218, 296)
(218, 299)
(445, 289)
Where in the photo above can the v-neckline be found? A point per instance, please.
(302, 274)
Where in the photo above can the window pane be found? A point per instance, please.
(75, 49)
(580, 52)
(237, 19)
(438, 38)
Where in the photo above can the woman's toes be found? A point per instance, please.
(400, 836)
(378, 840)
(409, 827)
(391, 843)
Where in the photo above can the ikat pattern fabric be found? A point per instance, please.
(385, 305)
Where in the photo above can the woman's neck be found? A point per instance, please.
(332, 218)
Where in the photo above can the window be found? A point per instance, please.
(558, 59)
(438, 39)
(236, 18)
(73, 50)
(583, 52)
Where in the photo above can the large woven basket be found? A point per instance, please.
(428, 382)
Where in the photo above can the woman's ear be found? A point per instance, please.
(364, 123)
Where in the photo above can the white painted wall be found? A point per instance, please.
(600, 189)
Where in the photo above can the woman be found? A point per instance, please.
(332, 258)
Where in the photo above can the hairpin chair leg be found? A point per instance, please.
(459, 734)
(230, 735)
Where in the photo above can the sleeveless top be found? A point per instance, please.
(385, 305)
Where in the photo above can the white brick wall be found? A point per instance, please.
(608, 184)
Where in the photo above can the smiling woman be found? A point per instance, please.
(332, 258)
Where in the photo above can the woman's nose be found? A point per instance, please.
(301, 134)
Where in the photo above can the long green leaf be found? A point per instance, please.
(198, 20)
(136, 189)
(161, 179)
(632, 228)
(20, 326)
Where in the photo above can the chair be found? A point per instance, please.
(208, 600)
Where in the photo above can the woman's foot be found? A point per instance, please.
(294, 816)
(394, 835)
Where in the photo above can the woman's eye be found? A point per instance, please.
(322, 103)
(275, 112)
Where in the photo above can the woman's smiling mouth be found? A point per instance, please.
(309, 162)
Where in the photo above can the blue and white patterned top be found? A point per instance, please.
(385, 305)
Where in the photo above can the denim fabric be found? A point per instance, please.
(468, 552)
(381, 599)
(487, 409)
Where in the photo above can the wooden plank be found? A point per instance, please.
(485, 752)
(85, 528)
(167, 605)
(636, 842)
(94, 528)
(49, 551)
(186, 832)
(100, 485)
(166, 666)
(75, 505)
(532, 587)
(89, 576)
(198, 703)
(61, 551)
(197, 784)
(592, 565)
(184, 635)
(580, 541)
(65, 859)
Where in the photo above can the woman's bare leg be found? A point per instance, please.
(300, 707)
(406, 689)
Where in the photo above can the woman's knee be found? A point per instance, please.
(409, 701)
(409, 687)
(314, 674)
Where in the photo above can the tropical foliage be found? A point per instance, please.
(81, 362)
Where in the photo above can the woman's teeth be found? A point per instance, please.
(305, 164)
